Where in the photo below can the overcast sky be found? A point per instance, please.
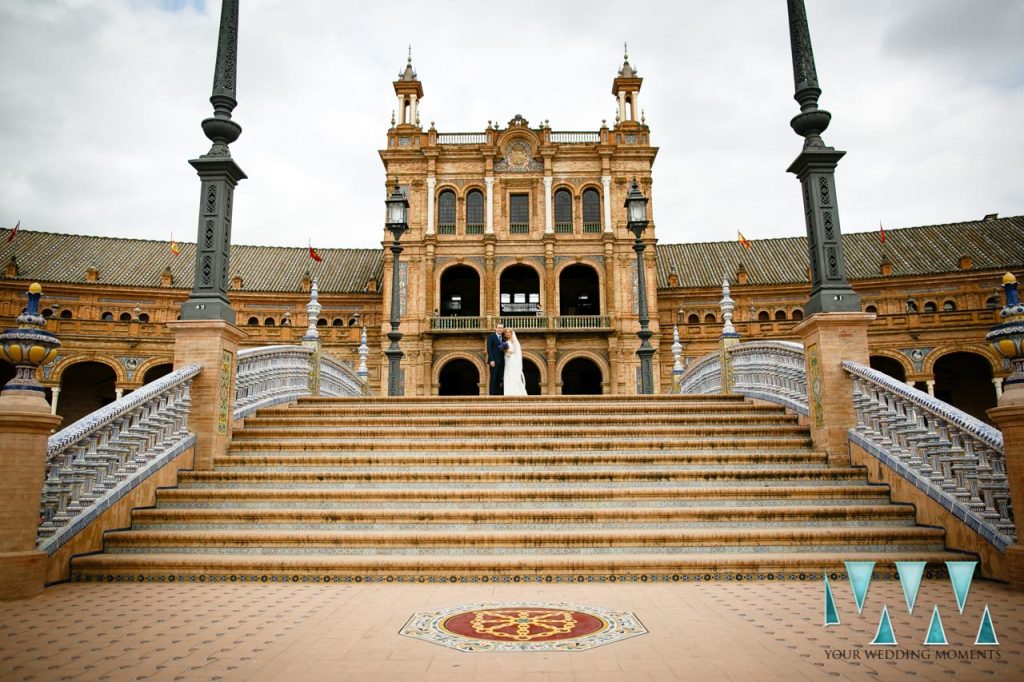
(101, 100)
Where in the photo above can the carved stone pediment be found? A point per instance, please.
(518, 158)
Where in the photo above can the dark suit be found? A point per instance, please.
(496, 355)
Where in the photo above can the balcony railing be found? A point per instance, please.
(462, 138)
(525, 323)
(576, 137)
(519, 228)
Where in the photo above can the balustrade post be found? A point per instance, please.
(828, 339)
(1007, 338)
(25, 425)
(311, 339)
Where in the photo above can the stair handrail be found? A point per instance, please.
(773, 371)
(956, 459)
(270, 375)
(338, 378)
(98, 459)
(703, 376)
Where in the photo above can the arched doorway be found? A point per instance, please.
(581, 376)
(84, 388)
(520, 291)
(532, 375)
(964, 380)
(157, 371)
(888, 366)
(459, 377)
(460, 292)
(579, 291)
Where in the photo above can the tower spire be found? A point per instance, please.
(815, 168)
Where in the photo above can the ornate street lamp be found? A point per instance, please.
(636, 217)
(397, 223)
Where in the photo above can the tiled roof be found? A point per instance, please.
(51, 257)
(991, 244)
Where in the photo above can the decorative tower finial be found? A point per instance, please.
(364, 353)
(409, 60)
(625, 51)
(727, 305)
(313, 309)
(677, 355)
(28, 346)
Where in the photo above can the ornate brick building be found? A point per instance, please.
(523, 224)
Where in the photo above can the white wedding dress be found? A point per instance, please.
(515, 382)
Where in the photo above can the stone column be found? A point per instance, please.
(997, 382)
(622, 105)
(413, 118)
(55, 391)
(606, 183)
(930, 383)
(830, 338)
(489, 228)
(214, 345)
(401, 109)
(431, 184)
(548, 221)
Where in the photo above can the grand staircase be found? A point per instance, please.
(553, 487)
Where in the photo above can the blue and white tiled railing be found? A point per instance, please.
(768, 370)
(954, 458)
(96, 461)
(338, 378)
(270, 375)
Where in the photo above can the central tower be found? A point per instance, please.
(525, 225)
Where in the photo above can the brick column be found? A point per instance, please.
(1009, 417)
(25, 425)
(214, 345)
(830, 338)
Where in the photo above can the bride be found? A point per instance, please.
(515, 382)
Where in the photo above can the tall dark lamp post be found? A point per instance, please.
(398, 223)
(636, 217)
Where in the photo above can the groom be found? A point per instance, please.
(496, 359)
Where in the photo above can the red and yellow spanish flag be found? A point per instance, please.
(881, 232)
(744, 242)
(313, 254)
(175, 247)
(13, 233)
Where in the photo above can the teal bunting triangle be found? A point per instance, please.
(831, 614)
(986, 631)
(910, 573)
(936, 634)
(961, 573)
(859, 573)
(884, 636)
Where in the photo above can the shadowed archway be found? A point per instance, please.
(581, 376)
(84, 388)
(459, 377)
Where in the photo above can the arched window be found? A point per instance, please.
(353, 322)
(337, 322)
(446, 212)
(992, 302)
(930, 307)
(948, 306)
(563, 211)
(798, 314)
(763, 316)
(253, 321)
(322, 322)
(780, 315)
(591, 210)
(47, 313)
(709, 318)
(65, 314)
(125, 317)
(269, 322)
(694, 318)
(870, 309)
(911, 306)
(143, 317)
(475, 212)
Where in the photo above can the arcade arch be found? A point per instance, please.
(519, 291)
(579, 290)
(582, 376)
(459, 292)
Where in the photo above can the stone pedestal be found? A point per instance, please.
(214, 345)
(1009, 417)
(25, 426)
(830, 338)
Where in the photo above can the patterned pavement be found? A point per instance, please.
(695, 631)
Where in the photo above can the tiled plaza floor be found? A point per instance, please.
(697, 631)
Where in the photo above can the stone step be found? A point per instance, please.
(558, 498)
(515, 443)
(578, 461)
(519, 519)
(471, 541)
(706, 475)
(497, 568)
(509, 420)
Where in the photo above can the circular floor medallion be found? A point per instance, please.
(520, 626)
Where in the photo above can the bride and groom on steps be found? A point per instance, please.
(505, 358)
